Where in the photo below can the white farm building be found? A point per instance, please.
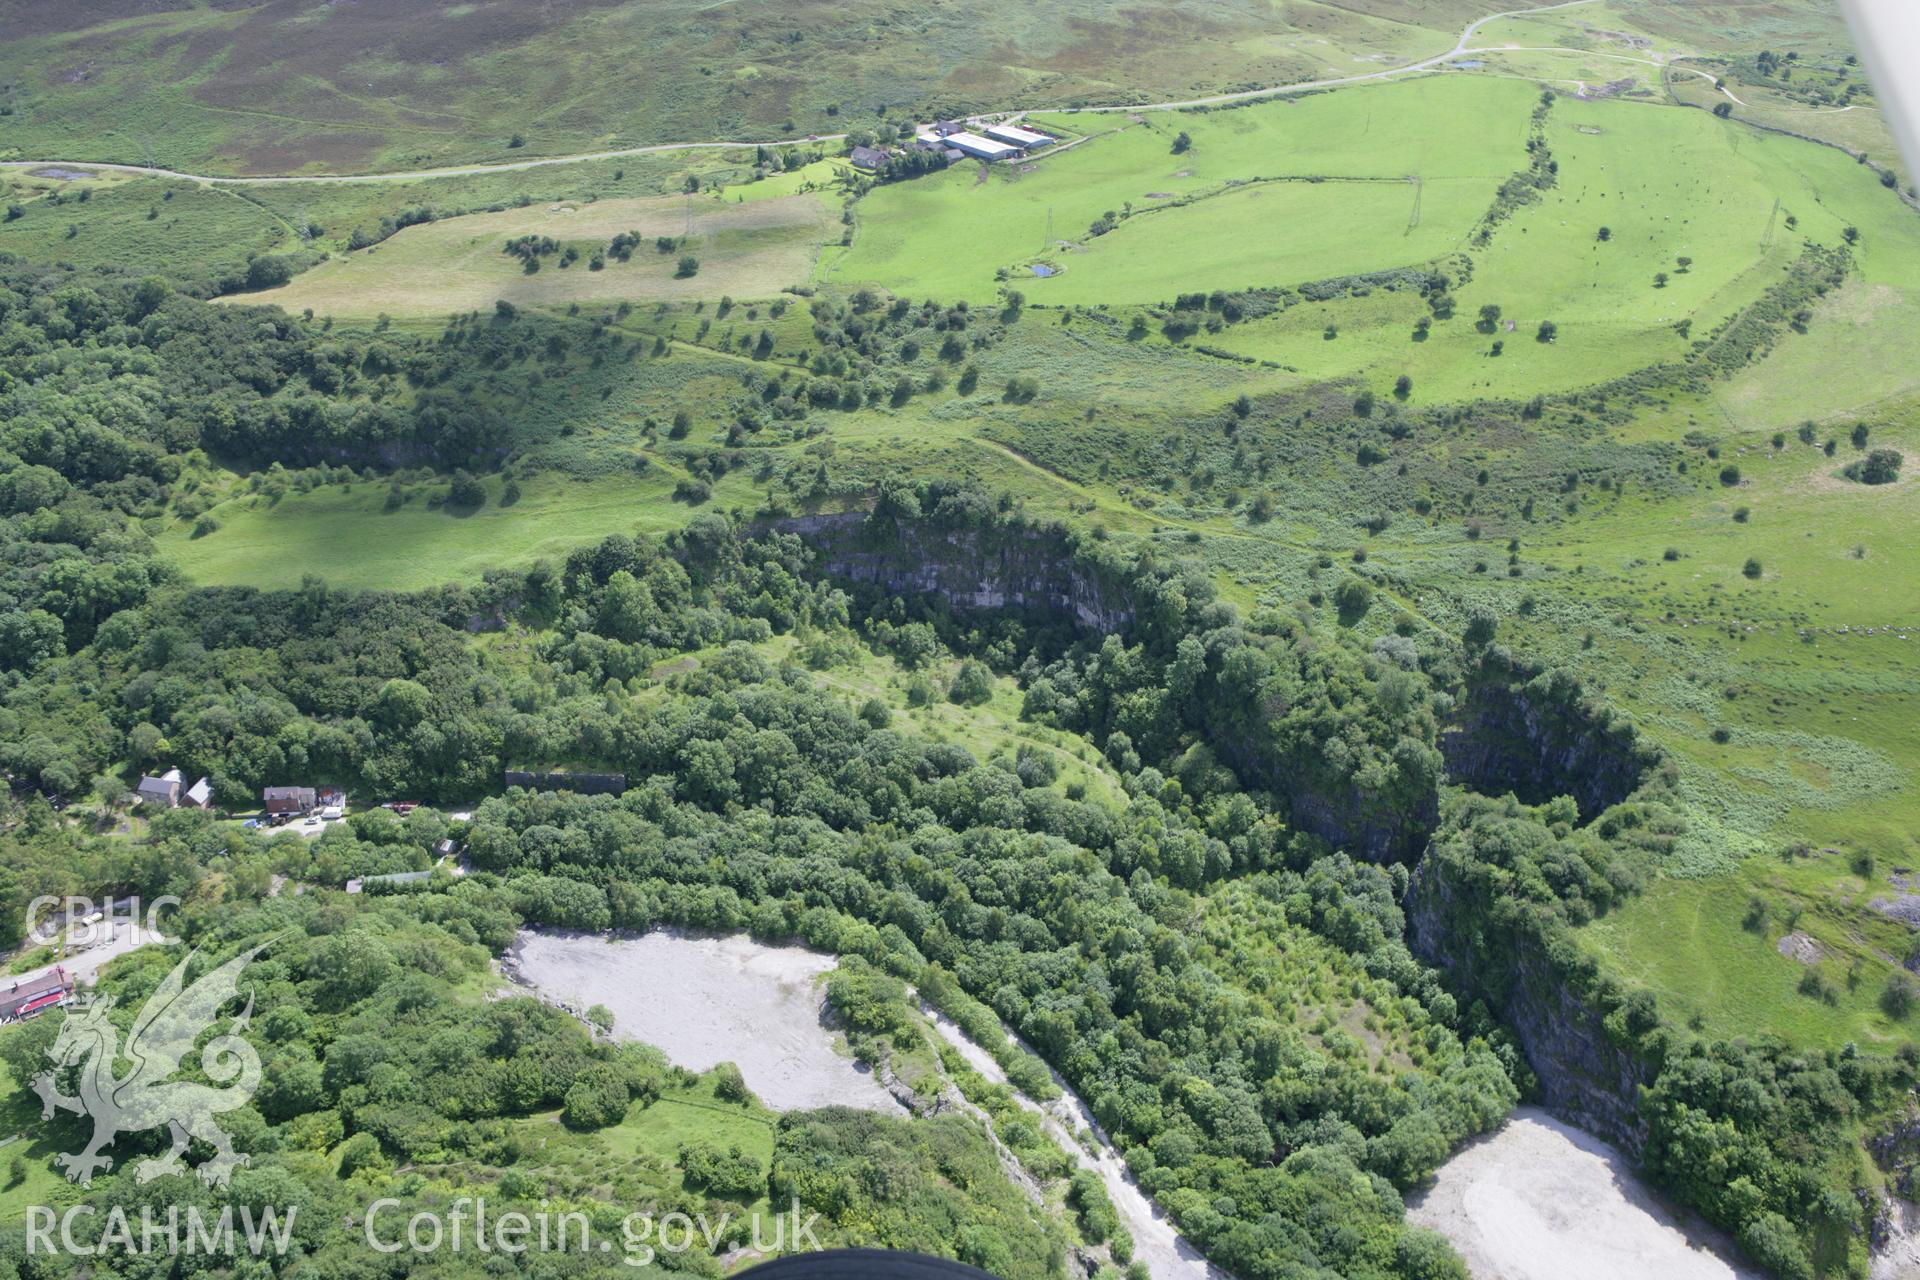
(983, 148)
(1026, 139)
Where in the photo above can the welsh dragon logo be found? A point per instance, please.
(170, 1022)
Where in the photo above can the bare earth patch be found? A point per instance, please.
(705, 999)
(1540, 1200)
(1799, 946)
(1904, 907)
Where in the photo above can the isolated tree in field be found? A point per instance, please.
(972, 685)
(729, 1085)
(1659, 279)
(597, 1099)
(1402, 386)
(1353, 598)
(1882, 466)
(1806, 432)
(1751, 568)
(1859, 435)
(1723, 109)
(465, 491)
(682, 423)
(1730, 476)
(1489, 317)
(1897, 999)
(689, 266)
(269, 271)
(1606, 234)
(1421, 328)
(1684, 263)
(1182, 143)
(1851, 235)
(1548, 331)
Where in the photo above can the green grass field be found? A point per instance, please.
(1261, 235)
(692, 1113)
(1690, 940)
(1714, 205)
(143, 224)
(746, 249)
(347, 537)
(332, 212)
(1228, 236)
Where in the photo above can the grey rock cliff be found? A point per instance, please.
(1585, 1076)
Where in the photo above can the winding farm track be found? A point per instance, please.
(513, 166)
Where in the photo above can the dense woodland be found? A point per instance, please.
(1234, 994)
(383, 1077)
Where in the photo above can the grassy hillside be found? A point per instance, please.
(143, 224)
(285, 86)
(1216, 230)
(460, 264)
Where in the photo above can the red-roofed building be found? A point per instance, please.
(22, 999)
